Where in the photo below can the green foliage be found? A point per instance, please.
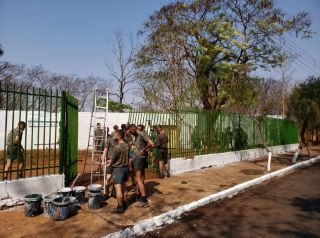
(217, 42)
(114, 106)
(304, 103)
(240, 139)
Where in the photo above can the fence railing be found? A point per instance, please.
(40, 110)
(202, 132)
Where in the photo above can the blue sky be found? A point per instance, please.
(76, 36)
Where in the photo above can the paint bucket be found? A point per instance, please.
(60, 209)
(72, 205)
(79, 193)
(95, 188)
(32, 205)
(65, 192)
(95, 200)
(48, 204)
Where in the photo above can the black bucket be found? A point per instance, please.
(79, 193)
(72, 205)
(32, 205)
(95, 188)
(65, 192)
(48, 200)
(60, 209)
(95, 200)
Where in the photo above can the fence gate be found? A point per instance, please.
(69, 137)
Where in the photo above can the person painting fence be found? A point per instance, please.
(15, 150)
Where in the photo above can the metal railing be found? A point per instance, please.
(40, 110)
(202, 132)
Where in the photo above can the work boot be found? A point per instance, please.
(144, 202)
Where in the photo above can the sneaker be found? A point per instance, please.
(168, 174)
(118, 210)
(144, 203)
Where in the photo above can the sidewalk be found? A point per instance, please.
(164, 195)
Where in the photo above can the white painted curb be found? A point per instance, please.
(168, 217)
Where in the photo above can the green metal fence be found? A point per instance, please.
(41, 147)
(201, 132)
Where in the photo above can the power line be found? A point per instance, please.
(296, 46)
(306, 67)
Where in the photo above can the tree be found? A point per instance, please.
(11, 72)
(304, 106)
(166, 83)
(222, 41)
(113, 106)
(259, 99)
(123, 71)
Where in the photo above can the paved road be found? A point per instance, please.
(284, 207)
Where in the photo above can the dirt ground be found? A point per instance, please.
(164, 195)
(286, 207)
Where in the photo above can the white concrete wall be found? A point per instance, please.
(44, 185)
(84, 125)
(113, 118)
(181, 165)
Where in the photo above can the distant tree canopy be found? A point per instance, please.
(37, 76)
(113, 106)
(304, 106)
(200, 50)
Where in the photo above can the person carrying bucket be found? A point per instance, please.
(15, 150)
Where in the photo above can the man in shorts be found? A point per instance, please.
(106, 157)
(142, 145)
(162, 152)
(129, 139)
(15, 150)
(119, 162)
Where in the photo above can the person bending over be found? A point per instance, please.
(15, 150)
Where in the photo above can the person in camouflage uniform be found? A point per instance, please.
(106, 156)
(98, 137)
(15, 150)
(142, 145)
(130, 140)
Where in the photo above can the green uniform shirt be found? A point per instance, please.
(129, 139)
(12, 136)
(110, 144)
(162, 140)
(141, 142)
(120, 155)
